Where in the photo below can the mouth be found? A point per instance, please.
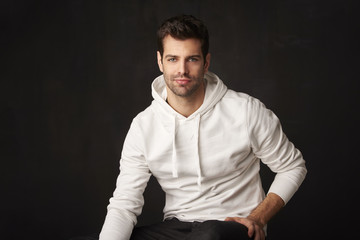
(182, 81)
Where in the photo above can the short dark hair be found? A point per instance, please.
(184, 27)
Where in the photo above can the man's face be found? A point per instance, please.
(183, 66)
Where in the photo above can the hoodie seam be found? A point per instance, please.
(247, 122)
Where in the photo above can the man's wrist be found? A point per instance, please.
(257, 220)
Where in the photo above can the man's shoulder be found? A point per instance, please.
(241, 96)
(240, 99)
(234, 96)
(144, 114)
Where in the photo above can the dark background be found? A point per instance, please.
(75, 73)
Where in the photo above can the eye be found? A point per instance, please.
(193, 59)
(172, 59)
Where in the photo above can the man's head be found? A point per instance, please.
(183, 27)
(183, 56)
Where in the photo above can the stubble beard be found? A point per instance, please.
(183, 90)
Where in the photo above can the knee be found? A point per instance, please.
(220, 230)
(213, 228)
(208, 230)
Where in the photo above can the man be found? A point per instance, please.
(203, 143)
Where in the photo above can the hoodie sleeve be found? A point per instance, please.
(127, 201)
(270, 144)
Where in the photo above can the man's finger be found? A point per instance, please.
(251, 230)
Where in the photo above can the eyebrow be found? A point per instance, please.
(170, 56)
(175, 56)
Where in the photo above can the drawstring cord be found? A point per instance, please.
(174, 156)
(197, 122)
(197, 154)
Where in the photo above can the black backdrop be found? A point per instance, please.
(75, 73)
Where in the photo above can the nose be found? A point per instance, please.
(183, 68)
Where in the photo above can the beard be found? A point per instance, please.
(184, 90)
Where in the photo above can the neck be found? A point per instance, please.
(186, 105)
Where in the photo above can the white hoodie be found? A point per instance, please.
(207, 164)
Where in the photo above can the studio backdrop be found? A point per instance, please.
(75, 73)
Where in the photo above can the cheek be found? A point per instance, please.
(198, 69)
(169, 69)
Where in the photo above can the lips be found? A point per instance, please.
(182, 81)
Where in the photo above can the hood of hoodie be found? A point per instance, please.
(214, 91)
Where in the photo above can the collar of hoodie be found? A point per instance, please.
(215, 90)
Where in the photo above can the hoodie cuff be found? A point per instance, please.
(284, 187)
(116, 227)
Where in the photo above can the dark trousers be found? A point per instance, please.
(176, 230)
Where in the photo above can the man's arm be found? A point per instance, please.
(127, 200)
(260, 216)
(271, 205)
(270, 144)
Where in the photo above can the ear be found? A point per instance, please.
(159, 61)
(207, 62)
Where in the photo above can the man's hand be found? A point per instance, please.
(255, 230)
(260, 216)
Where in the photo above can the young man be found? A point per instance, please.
(203, 143)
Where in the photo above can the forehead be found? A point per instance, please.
(188, 46)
